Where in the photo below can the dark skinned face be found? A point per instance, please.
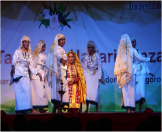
(134, 43)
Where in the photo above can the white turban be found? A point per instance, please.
(21, 42)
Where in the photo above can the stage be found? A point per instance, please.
(120, 121)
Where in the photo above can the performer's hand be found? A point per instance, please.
(152, 74)
(12, 71)
(101, 81)
(45, 80)
(152, 61)
(76, 79)
(63, 61)
(10, 83)
(136, 83)
(40, 76)
(71, 82)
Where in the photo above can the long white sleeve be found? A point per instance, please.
(139, 57)
(15, 58)
(31, 66)
(61, 53)
(146, 68)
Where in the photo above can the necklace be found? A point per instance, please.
(91, 59)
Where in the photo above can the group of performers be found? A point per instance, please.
(130, 70)
(36, 74)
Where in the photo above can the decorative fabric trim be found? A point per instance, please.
(140, 101)
(40, 106)
(54, 101)
(25, 110)
(91, 102)
(74, 105)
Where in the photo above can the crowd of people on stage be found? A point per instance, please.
(37, 77)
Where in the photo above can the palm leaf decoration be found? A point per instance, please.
(45, 22)
(68, 20)
(61, 8)
(55, 9)
(50, 10)
(67, 14)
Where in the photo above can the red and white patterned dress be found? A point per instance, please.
(74, 96)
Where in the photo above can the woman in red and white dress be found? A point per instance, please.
(76, 83)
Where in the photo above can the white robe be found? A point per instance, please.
(141, 71)
(39, 96)
(55, 96)
(92, 79)
(23, 99)
(129, 89)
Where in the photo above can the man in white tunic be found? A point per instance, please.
(124, 72)
(93, 74)
(21, 63)
(39, 97)
(57, 68)
(140, 69)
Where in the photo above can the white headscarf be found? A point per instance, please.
(124, 61)
(36, 51)
(51, 62)
(21, 42)
(96, 49)
(94, 45)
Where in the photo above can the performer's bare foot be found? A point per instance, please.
(97, 111)
(86, 111)
(59, 111)
(128, 111)
(132, 111)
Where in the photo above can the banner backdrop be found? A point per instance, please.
(101, 22)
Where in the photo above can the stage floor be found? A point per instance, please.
(120, 121)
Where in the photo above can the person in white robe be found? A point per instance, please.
(140, 69)
(124, 72)
(39, 97)
(57, 69)
(21, 64)
(93, 74)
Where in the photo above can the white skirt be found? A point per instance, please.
(23, 99)
(92, 82)
(140, 89)
(128, 94)
(39, 97)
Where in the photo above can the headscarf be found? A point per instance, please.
(82, 82)
(51, 61)
(96, 50)
(132, 38)
(94, 45)
(21, 42)
(124, 61)
(36, 51)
